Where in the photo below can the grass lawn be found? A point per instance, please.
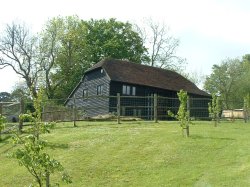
(143, 154)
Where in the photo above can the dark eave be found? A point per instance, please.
(125, 71)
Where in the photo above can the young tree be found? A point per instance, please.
(214, 109)
(246, 107)
(183, 115)
(2, 125)
(32, 153)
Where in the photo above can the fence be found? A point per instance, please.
(10, 110)
(119, 108)
(151, 107)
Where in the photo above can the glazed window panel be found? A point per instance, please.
(134, 90)
(85, 93)
(99, 90)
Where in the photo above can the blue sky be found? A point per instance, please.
(209, 30)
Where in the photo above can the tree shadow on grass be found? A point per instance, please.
(199, 137)
(57, 146)
(91, 124)
(6, 142)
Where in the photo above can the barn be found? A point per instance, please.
(101, 83)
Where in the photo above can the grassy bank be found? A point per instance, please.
(143, 154)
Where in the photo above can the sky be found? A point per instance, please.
(209, 30)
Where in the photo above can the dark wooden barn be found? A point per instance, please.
(109, 77)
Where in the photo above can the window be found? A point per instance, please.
(99, 90)
(128, 90)
(125, 90)
(133, 90)
(85, 93)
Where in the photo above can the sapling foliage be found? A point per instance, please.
(183, 113)
(2, 124)
(246, 107)
(214, 109)
(32, 154)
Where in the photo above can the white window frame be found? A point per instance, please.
(133, 90)
(128, 90)
(99, 89)
(85, 93)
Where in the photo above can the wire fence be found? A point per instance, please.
(120, 108)
(150, 108)
(11, 110)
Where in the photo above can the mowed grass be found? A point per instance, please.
(142, 154)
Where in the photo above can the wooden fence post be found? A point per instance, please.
(245, 110)
(155, 108)
(118, 108)
(188, 113)
(47, 179)
(188, 108)
(74, 110)
(1, 108)
(20, 126)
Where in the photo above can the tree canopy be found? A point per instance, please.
(230, 80)
(5, 97)
(162, 46)
(84, 43)
(57, 57)
(115, 39)
(18, 50)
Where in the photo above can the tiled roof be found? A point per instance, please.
(128, 72)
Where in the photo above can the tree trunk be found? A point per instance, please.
(47, 179)
(1, 108)
(39, 181)
(185, 131)
(20, 126)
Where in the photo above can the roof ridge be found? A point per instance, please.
(142, 74)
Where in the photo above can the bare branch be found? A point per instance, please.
(162, 46)
(17, 49)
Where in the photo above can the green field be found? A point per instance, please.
(142, 154)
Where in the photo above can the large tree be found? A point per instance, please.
(224, 80)
(63, 53)
(84, 43)
(5, 97)
(244, 86)
(115, 39)
(18, 50)
(161, 45)
(49, 46)
(67, 46)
